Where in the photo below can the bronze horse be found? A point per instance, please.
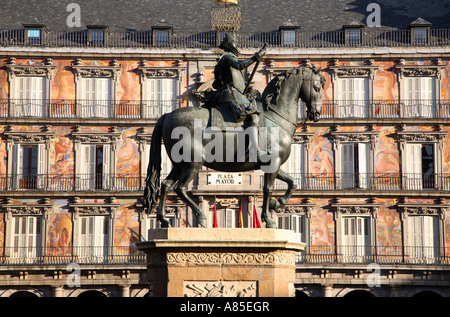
(280, 103)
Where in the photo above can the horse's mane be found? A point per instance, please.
(273, 89)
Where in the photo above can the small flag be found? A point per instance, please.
(256, 223)
(215, 224)
(241, 221)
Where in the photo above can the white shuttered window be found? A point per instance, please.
(419, 97)
(31, 96)
(353, 101)
(96, 95)
(161, 96)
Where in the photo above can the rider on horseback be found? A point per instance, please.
(229, 82)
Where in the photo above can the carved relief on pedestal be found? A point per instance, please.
(220, 289)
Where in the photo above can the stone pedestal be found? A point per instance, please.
(219, 262)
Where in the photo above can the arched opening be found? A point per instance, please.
(359, 294)
(300, 294)
(23, 294)
(92, 294)
(427, 294)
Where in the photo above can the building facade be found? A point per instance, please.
(78, 108)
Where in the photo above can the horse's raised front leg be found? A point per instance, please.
(166, 185)
(269, 179)
(282, 201)
(186, 176)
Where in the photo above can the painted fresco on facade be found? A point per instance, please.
(385, 86)
(387, 156)
(60, 229)
(321, 155)
(62, 155)
(126, 224)
(128, 158)
(388, 227)
(322, 225)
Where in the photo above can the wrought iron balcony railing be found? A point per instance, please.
(315, 254)
(392, 255)
(153, 109)
(144, 39)
(86, 109)
(367, 182)
(383, 109)
(124, 182)
(71, 254)
(65, 183)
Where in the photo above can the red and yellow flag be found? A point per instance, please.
(241, 220)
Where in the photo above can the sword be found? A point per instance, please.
(253, 73)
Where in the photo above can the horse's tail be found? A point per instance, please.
(151, 191)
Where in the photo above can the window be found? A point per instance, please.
(161, 96)
(354, 36)
(153, 223)
(93, 237)
(96, 95)
(162, 34)
(354, 165)
(95, 168)
(289, 34)
(31, 95)
(289, 37)
(420, 35)
(166, 163)
(295, 223)
(226, 218)
(419, 97)
(28, 166)
(353, 97)
(420, 166)
(355, 238)
(161, 37)
(27, 237)
(34, 36)
(97, 37)
(423, 238)
(295, 166)
(97, 34)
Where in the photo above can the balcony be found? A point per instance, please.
(66, 255)
(86, 109)
(315, 254)
(383, 109)
(126, 182)
(368, 182)
(209, 39)
(153, 109)
(122, 182)
(393, 255)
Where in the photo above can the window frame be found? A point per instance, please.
(153, 74)
(84, 140)
(289, 35)
(421, 137)
(109, 73)
(29, 211)
(79, 212)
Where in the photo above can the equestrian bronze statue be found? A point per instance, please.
(187, 131)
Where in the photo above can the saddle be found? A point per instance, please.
(222, 117)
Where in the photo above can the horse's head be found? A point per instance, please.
(311, 93)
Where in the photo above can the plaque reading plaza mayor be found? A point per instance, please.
(224, 179)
